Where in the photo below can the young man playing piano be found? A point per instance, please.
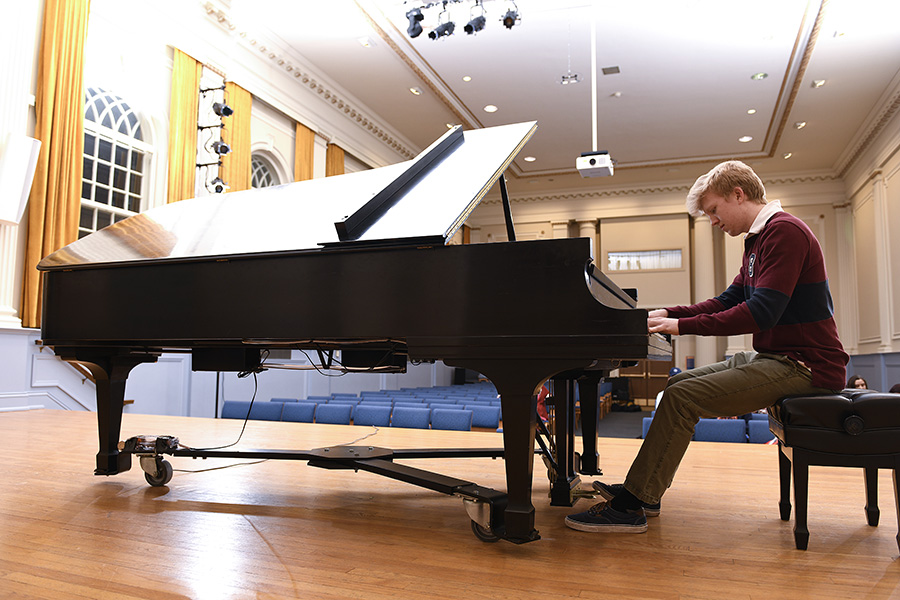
(780, 295)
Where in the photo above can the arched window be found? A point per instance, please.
(262, 173)
(115, 161)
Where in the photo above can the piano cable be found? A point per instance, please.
(246, 418)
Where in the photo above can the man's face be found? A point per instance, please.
(725, 213)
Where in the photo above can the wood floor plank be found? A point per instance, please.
(281, 530)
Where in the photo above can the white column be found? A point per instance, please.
(17, 46)
(704, 285)
(588, 229)
(846, 301)
(882, 262)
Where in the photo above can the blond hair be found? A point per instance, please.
(721, 180)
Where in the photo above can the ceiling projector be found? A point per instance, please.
(594, 164)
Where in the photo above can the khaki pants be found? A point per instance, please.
(744, 383)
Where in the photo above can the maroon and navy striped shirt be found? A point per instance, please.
(781, 296)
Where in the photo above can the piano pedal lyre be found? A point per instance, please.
(150, 449)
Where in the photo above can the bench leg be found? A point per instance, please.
(784, 477)
(801, 489)
(872, 512)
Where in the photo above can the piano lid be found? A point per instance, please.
(303, 215)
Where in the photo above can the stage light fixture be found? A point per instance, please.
(223, 110)
(510, 18)
(221, 148)
(217, 185)
(442, 30)
(476, 24)
(415, 17)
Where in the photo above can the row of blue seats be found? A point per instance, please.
(391, 401)
(419, 416)
(753, 429)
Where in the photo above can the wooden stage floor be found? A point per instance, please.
(286, 530)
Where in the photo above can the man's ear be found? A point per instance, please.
(739, 194)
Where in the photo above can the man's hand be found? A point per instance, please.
(658, 322)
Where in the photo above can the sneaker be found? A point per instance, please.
(610, 491)
(603, 517)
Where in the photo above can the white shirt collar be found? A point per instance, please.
(770, 208)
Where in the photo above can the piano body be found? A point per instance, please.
(356, 269)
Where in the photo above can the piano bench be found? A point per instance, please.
(854, 428)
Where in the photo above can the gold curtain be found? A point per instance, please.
(304, 148)
(55, 200)
(334, 160)
(183, 107)
(236, 133)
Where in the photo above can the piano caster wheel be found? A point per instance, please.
(483, 533)
(163, 475)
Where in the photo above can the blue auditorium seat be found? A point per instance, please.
(299, 412)
(721, 430)
(235, 409)
(417, 417)
(283, 399)
(459, 420)
(484, 415)
(758, 431)
(372, 414)
(261, 411)
(334, 412)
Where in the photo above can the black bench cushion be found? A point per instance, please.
(851, 422)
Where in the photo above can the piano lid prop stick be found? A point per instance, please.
(353, 226)
(507, 211)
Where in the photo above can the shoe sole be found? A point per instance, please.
(648, 512)
(611, 528)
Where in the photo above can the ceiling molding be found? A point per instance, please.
(653, 190)
(889, 110)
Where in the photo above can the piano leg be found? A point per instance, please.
(518, 383)
(519, 408)
(565, 479)
(590, 417)
(110, 374)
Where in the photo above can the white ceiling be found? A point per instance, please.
(679, 103)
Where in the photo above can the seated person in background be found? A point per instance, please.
(857, 382)
(542, 402)
(895, 389)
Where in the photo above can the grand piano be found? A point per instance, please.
(358, 271)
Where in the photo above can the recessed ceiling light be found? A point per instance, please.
(616, 95)
(569, 78)
(759, 76)
(529, 159)
(415, 91)
(366, 42)
(751, 111)
(745, 139)
(467, 78)
(799, 124)
(490, 108)
(817, 83)
(787, 155)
